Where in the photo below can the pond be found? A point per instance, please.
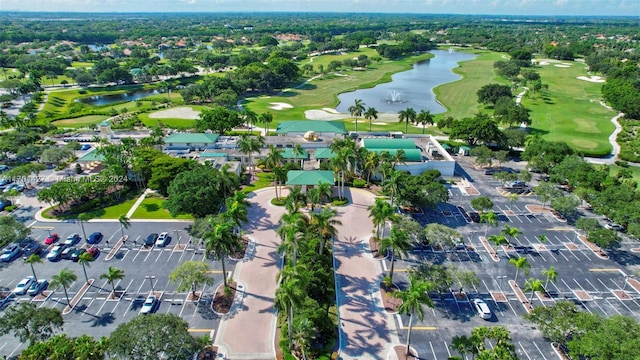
(100, 100)
(412, 88)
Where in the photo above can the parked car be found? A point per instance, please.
(4, 182)
(151, 239)
(85, 147)
(76, 254)
(482, 309)
(37, 287)
(94, 251)
(67, 252)
(3, 168)
(14, 186)
(56, 253)
(163, 239)
(614, 226)
(517, 184)
(474, 216)
(4, 204)
(149, 305)
(72, 239)
(51, 239)
(10, 252)
(95, 238)
(31, 248)
(24, 284)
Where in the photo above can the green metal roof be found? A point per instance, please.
(324, 153)
(91, 156)
(213, 154)
(311, 125)
(389, 144)
(465, 147)
(446, 146)
(288, 153)
(191, 138)
(314, 177)
(411, 155)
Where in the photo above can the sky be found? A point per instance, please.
(485, 7)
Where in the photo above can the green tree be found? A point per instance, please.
(424, 118)
(441, 236)
(407, 116)
(398, 243)
(520, 263)
(481, 204)
(480, 128)
(249, 145)
(490, 218)
(220, 241)
(85, 260)
(33, 259)
(511, 232)
(604, 238)
(371, 114)
(265, 118)
(380, 212)
(551, 274)
(324, 224)
(125, 223)
(289, 295)
(11, 230)
(112, 275)
(155, 336)
(356, 110)
(489, 94)
(31, 323)
(64, 278)
(413, 299)
(532, 285)
(219, 119)
(236, 208)
(190, 275)
(60, 346)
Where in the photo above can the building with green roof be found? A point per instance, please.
(289, 154)
(306, 178)
(321, 128)
(371, 144)
(91, 156)
(190, 141)
(410, 155)
(324, 154)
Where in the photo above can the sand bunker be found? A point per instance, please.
(280, 106)
(542, 63)
(561, 66)
(330, 110)
(593, 78)
(324, 115)
(176, 113)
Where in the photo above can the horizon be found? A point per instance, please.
(533, 8)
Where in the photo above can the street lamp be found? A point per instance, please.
(626, 277)
(49, 231)
(500, 278)
(151, 278)
(177, 236)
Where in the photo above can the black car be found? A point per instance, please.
(475, 217)
(95, 238)
(76, 254)
(151, 239)
(31, 248)
(68, 252)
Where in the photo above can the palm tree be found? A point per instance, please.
(265, 118)
(112, 275)
(85, 259)
(392, 185)
(289, 295)
(551, 274)
(33, 259)
(371, 114)
(274, 158)
(325, 191)
(498, 240)
(533, 285)
(237, 209)
(512, 197)
(249, 145)
(340, 165)
(324, 224)
(221, 241)
(380, 212)
(490, 218)
(356, 110)
(412, 301)
(295, 199)
(304, 333)
(280, 178)
(249, 117)
(520, 263)
(313, 198)
(298, 151)
(82, 218)
(407, 116)
(398, 243)
(292, 225)
(64, 278)
(371, 163)
(125, 223)
(464, 344)
(511, 232)
(424, 117)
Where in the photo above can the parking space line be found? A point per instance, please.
(524, 351)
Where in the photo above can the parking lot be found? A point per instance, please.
(146, 270)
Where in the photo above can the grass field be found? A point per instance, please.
(262, 180)
(80, 122)
(459, 97)
(635, 170)
(151, 208)
(570, 110)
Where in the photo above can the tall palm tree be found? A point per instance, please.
(125, 223)
(289, 295)
(392, 185)
(398, 243)
(551, 274)
(380, 212)
(237, 209)
(424, 117)
(314, 198)
(221, 241)
(292, 224)
(280, 178)
(265, 118)
(533, 285)
(298, 151)
(340, 164)
(112, 275)
(85, 259)
(407, 116)
(371, 114)
(464, 344)
(33, 259)
(412, 301)
(357, 109)
(249, 117)
(82, 218)
(371, 163)
(498, 240)
(324, 224)
(512, 197)
(295, 199)
(325, 190)
(511, 232)
(274, 158)
(249, 145)
(490, 218)
(64, 278)
(520, 263)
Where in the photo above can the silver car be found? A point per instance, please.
(37, 287)
(149, 305)
(24, 284)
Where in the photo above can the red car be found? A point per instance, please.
(51, 239)
(93, 251)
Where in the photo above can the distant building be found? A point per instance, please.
(190, 141)
(320, 128)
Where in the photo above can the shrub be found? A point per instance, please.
(621, 163)
(278, 202)
(339, 202)
(359, 183)
(10, 208)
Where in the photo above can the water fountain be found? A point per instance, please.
(394, 97)
(450, 50)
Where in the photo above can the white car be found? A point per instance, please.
(614, 226)
(482, 309)
(56, 253)
(163, 239)
(149, 305)
(22, 287)
(37, 287)
(72, 239)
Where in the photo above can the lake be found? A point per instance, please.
(412, 88)
(99, 100)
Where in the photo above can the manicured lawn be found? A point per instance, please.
(110, 212)
(262, 180)
(151, 208)
(570, 110)
(459, 96)
(635, 170)
(80, 122)
(80, 64)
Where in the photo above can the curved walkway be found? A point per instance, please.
(610, 159)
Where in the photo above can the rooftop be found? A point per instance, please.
(191, 138)
(314, 177)
(311, 125)
(371, 144)
(91, 156)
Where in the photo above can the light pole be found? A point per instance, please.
(626, 278)
(151, 278)
(177, 236)
(500, 278)
(49, 231)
